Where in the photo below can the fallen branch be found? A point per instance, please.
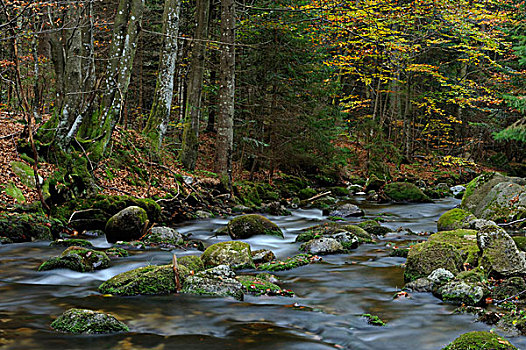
(512, 222)
(176, 274)
(318, 196)
(509, 298)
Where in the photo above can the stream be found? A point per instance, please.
(326, 312)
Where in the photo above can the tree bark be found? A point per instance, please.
(159, 118)
(195, 86)
(225, 122)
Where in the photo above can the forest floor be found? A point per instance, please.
(131, 169)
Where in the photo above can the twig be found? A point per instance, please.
(10, 135)
(176, 274)
(510, 298)
(513, 222)
(318, 196)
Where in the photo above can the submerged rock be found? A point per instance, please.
(148, 280)
(251, 225)
(422, 285)
(405, 192)
(374, 228)
(322, 246)
(126, 225)
(480, 340)
(346, 211)
(217, 281)
(500, 255)
(348, 235)
(71, 242)
(233, 253)
(116, 252)
(77, 259)
(82, 321)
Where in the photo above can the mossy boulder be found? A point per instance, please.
(191, 262)
(163, 236)
(261, 286)
(233, 253)
(460, 292)
(424, 258)
(454, 219)
(94, 212)
(349, 235)
(77, 259)
(306, 193)
(493, 196)
(288, 264)
(27, 227)
(322, 246)
(480, 341)
(216, 281)
(509, 288)
(246, 226)
(448, 250)
(339, 191)
(83, 321)
(374, 183)
(500, 255)
(148, 280)
(374, 228)
(127, 225)
(70, 242)
(405, 192)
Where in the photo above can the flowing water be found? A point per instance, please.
(326, 312)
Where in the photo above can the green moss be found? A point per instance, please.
(453, 219)
(117, 252)
(79, 321)
(26, 227)
(233, 253)
(426, 257)
(374, 228)
(77, 259)
(246, 226)
(71, 242)
(509, 288)
(287, 264)
(476, 275)
(247, 193)
(404, 191)
(192, 262)
(480, 341)
(306, 193)
(374, 320)
(148, 280)
(520, 242)
(108, 206)
(331, 228)
(339, 191)
(463, 240)
(258, 286)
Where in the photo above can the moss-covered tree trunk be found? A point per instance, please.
(159, 118)
(225, 121)
(195, 86)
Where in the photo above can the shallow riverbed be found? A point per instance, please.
(324, 314)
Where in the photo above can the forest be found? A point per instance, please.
(162, 140)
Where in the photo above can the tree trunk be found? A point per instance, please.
(159, 118)
(195, 86)
(225, 122)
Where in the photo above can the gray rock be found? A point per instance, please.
(457, 189)
(163, 235)
(263, 256)
(423, 285)
(478, 224)
(459, 292)
(126, 225)
(201, 214)
(347, 210)
(440, 276)
(82, 321)
(217, 281)
(347, 239)
(321, 246)
(500, 255)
